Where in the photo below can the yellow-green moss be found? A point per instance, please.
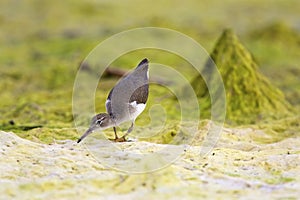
(277, 31)
(250, 97)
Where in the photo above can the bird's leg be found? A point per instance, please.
(129, 130)
(115, 131)
(117, 139)
(123, 139)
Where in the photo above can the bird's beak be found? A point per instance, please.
(89, 131)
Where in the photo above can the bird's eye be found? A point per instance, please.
(100, 121)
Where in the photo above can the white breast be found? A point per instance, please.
(136, 109)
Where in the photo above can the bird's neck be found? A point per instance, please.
(111, 120)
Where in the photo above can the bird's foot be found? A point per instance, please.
(121, 139)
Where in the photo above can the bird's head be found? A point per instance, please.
(99, 122)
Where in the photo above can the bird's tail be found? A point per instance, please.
(144, 62)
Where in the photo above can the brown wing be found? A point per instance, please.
(140, 95)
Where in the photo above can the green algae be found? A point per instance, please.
(44, 102)
(276, 46)
(279, 32)
(38, 65)
(50, 134)
(167, 135)
(49, 105)
(250, 97)
(279, 130)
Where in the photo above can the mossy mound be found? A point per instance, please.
(250, 97)
(277, 31)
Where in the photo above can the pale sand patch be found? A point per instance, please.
(237, 167)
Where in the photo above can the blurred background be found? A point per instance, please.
(44, 42)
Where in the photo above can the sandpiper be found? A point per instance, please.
(125, 102)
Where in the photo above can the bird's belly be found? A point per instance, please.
(128, 113)
(136, 109)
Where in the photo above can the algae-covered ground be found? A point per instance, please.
(256, 47)
(237, 167)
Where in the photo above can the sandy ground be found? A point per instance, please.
(237, 167)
